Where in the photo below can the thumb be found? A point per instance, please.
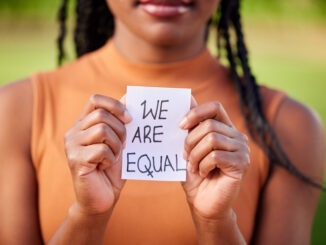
(123, 100)
(193, 102)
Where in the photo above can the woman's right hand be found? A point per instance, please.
(93, 149)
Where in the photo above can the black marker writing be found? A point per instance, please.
(148, 134)
(150, 165)
(159, 110)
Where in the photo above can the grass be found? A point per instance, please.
(291, 57)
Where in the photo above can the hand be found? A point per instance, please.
(93, 148)
(218, 157)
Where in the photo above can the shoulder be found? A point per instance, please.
(301, 134)
(16, 98)
(21, 87)
(16, 95)
(299, 131)
(295, 115)
(18, 192)
(16, 103)
(271, 101)
(298, 128)
(287, 203)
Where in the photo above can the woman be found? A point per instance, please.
(69, 191)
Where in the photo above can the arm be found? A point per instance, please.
(18, 187)
(89, 162)
(218, 157)
(93, 148)
(288, 205)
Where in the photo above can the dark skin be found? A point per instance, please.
(213, 143)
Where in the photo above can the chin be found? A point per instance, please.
(166, 35)
(164, 40)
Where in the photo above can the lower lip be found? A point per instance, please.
(165, 11)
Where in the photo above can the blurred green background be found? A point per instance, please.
(286, 40)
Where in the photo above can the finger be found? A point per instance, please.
(193, 102)
(100, 133)
(83, 160)
(113, 106)
(114, 174)
(192, 180)
(205, 128)
(99, 116)
(209, 143)
(123, 100)
(211, 110)
(231, 164)
(99, 154)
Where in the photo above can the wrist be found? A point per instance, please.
(81, 228)
(79, 215)
(221, 230)
(211, 224)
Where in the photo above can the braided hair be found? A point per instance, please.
(95, 25)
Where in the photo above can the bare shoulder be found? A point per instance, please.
(18, 186)
(288, 205)
(18, 86)
(16, 102)
(301, 134)
(15, 93)
(20, 91)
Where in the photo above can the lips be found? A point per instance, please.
(167, 2)
(166, 8)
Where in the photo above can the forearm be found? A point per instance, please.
(222, 231)
(81, 229)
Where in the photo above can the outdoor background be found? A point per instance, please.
(286, 40)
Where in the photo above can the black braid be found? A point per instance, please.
(62, 17)
(248, 89)
(95, 25)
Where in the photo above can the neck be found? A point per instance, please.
(140, 50)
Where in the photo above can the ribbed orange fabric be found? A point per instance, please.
(147, 212)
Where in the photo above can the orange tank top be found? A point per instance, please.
(147, 212)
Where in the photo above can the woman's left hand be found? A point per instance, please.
(217, 158)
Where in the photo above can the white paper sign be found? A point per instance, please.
(155, 143)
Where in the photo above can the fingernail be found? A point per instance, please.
(127, 116)
(183, 123)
